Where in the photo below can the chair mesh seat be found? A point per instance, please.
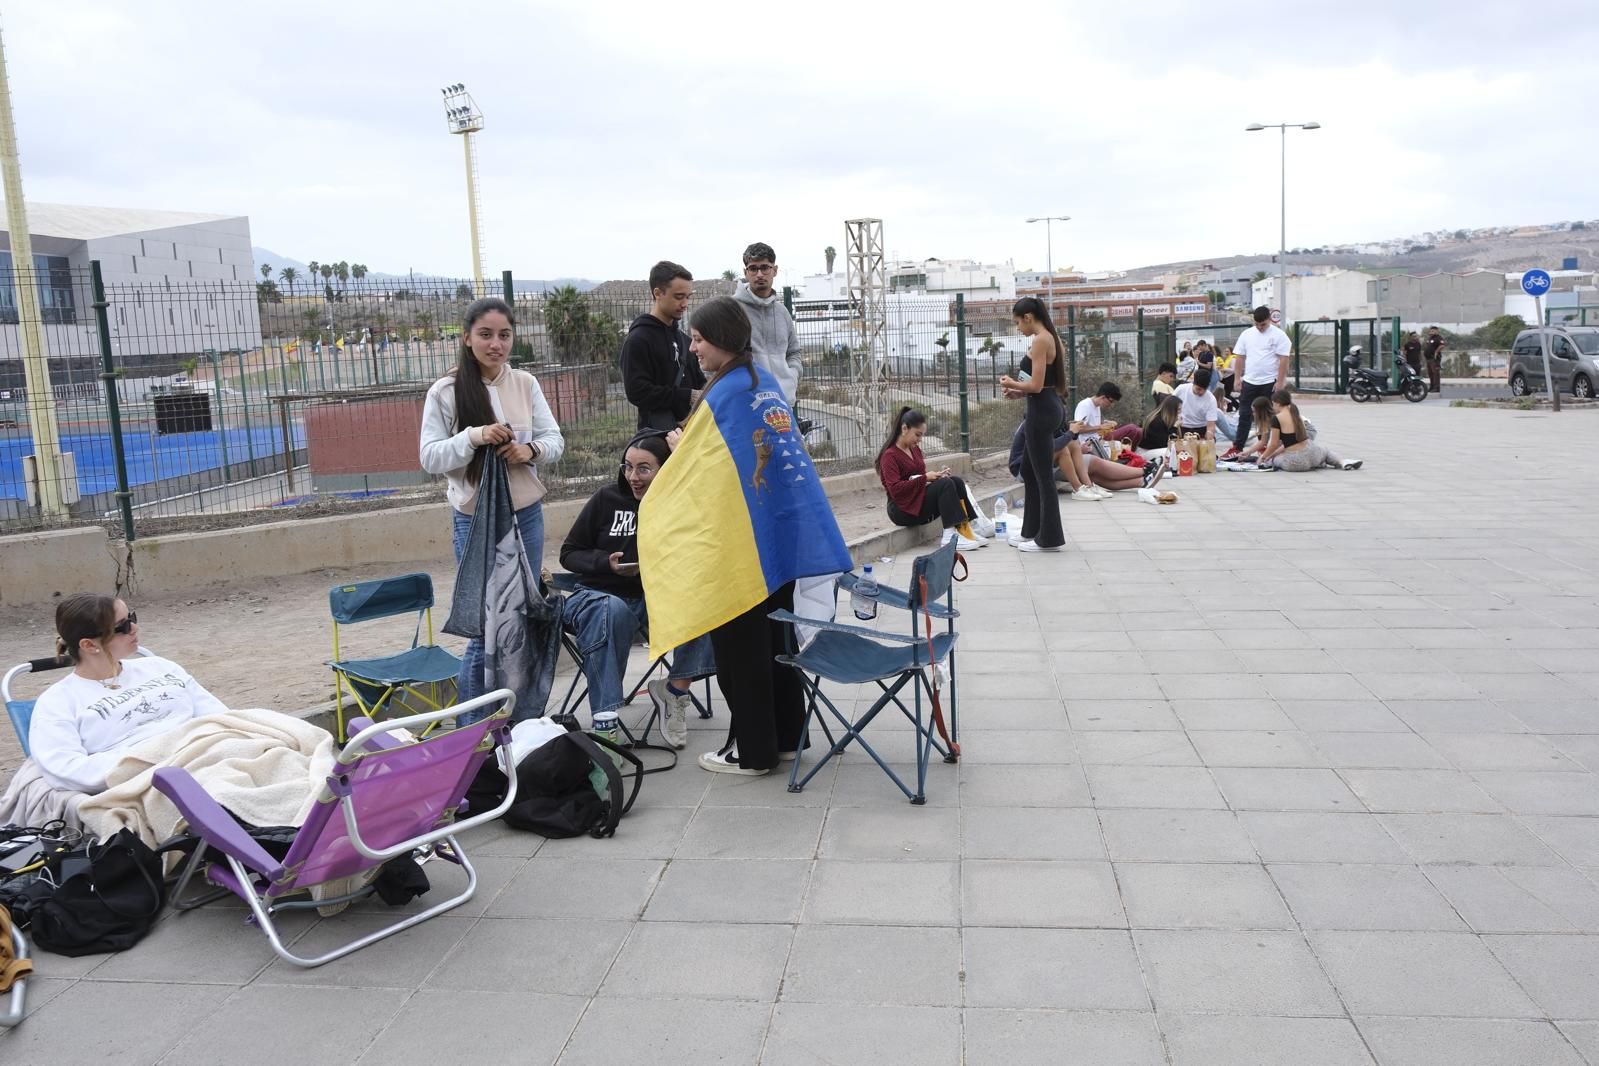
(851, 660)
(427, 664)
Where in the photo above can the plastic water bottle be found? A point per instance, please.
(863, 597)
(1001, 509)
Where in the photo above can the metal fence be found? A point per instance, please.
(209, 404)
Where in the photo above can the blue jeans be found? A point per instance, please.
(1226, 428)
(605, 626)
(530, 521)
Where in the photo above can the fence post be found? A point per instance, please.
(508, 287)
(108, 375)
(1071, 345)
(788, 300)
(249, 427)
(960, 356)
(1139, 375)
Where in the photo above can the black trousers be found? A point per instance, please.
(944, 500)
(764, 698)
(1041, 511)
(1246, 409)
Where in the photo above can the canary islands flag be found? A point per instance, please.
(736, 513)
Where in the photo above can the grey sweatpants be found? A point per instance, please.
(1302, 460)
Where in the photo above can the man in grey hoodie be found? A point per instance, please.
(773, 336)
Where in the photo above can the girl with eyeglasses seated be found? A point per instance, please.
(113, 699)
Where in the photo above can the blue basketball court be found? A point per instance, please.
(150, 457)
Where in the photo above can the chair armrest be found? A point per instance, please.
(835, 627)
(381, 742)
(214, 825)
(893, 597)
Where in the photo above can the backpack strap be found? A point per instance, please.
(597, 748)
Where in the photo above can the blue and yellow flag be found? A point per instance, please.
(737, 513)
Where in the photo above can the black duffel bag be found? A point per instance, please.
(106, 897)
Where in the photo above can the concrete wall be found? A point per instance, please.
(37, 567)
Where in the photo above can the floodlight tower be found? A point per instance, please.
(462, 117)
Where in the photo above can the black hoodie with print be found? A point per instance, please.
(659, 373)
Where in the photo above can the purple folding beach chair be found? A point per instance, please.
(384, 798)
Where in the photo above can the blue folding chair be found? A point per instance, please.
(21, 710)
(423, 673)
(853, 655)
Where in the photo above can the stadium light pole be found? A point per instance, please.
(462, 116)
(1282, 249)
(1049, 256)
(42, 426)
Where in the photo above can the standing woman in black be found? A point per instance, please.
(1044, 391)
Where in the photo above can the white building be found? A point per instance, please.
(178, 283)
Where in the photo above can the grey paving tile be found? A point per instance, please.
(1552, 716)
(859, 782)
(1579, 747)
(1224, 1040)
(305, 1025)
(753, 833)
(1376, 973)
(559, 886)
(730, 890)
(1543, 792)
(666, 1032)
(401, 961)
(214, 945)
(1520, 899)
(1456, 716)
(1272, 789)
(1560, 973)
(1023, 786)
(1212, 686)
(646, 833)
(478, 1029)
(1201, 896)
(1030, 833)
(1255, 972)
(878, 964)
(1086, 715)
(700, 960)
(1467, 1042)
(1061, 1038)
(1251, 714)
(90, 1021)
(1575, 839)
(1313, 836)
(1022, 968)
(492, 957)
(1347, 716)
(811, 1034)
(1584, 1036)
(1186, 787)
(1355, 750)
(902, 832)
(1027, 893)
(1480, 839)
(1134, 748)
(1420, 791)
(1256, 747)
(1330, 686)
(1340, 896)
(883, 893)
(1134, 835)
(981, 747)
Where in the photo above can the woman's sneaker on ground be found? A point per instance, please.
(1353, 464)
(1103, 492)
(673, 708)
(1230, 453)
(727, 763)
(1154, 470)
(1034, 546)
(1086, 495)
(1015, 539)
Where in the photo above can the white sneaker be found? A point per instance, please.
(1104, 493)
(1086, 494)
(1014, 539)
(674, 712)
(969, 545)
(1034, 546)
(717, 763)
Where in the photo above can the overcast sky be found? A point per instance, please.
(619, 133)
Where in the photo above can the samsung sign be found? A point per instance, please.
(1188, 309)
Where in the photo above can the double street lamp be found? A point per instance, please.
(1282, 252)
(1049, 256)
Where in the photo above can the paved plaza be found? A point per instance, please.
(1301, 770)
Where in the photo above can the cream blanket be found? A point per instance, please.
(267, 768)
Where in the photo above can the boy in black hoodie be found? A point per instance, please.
(607, 609)
(658, 373)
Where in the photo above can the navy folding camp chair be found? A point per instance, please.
(419, 678)
(578, 690)
(21, 710)
(854, 655)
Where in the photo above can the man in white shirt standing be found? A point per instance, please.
(1265, 352)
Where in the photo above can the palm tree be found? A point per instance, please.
(728, 275)
(566, 322)
(266, 271)
(830, 254)
(341, 270)
(289, 276)
(314, 268)
(357, 271)
(326, 270)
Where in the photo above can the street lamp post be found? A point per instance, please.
(1049, 257)
(1282, 251)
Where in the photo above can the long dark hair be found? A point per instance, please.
(1168, 411)
(1284, 398)
(1032, 305)
(650, 440)
(723, 322)
(472, 406)
(83, 616)
(908, 418)
(1264, 418)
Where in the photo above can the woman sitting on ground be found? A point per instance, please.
(1288, 444)
(607, 611)
(113, 699)
(915, 496)
(1161, 426)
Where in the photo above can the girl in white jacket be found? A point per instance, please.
(484, 403)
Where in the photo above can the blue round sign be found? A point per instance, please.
(1535, 282)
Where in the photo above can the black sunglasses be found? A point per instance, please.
(125, 626)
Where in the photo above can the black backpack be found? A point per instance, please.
(557, 787)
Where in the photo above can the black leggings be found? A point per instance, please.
(1041, 511)
(765, 699)
(945, 499)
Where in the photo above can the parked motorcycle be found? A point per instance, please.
(1369, 383)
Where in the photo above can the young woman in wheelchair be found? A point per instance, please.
(607, 610)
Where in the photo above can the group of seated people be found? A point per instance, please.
(1194, 356)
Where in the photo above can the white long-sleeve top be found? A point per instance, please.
(80, 728)
(518, 402)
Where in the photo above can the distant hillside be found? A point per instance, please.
(278, 262)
